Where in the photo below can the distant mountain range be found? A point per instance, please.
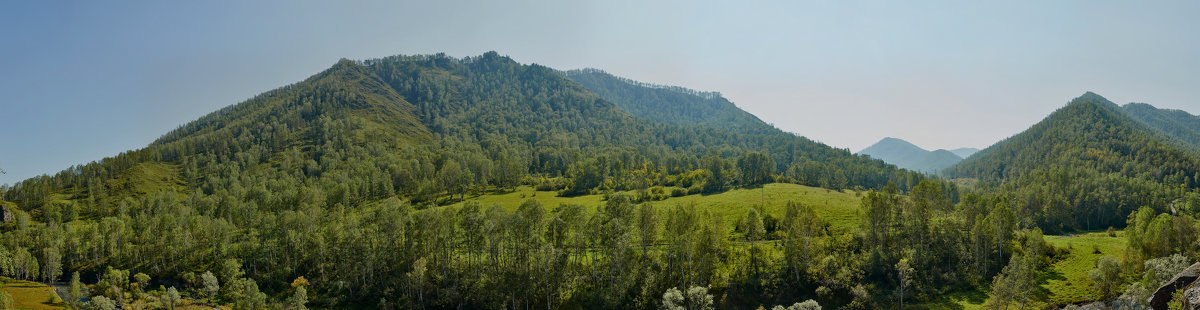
(908, 156)
(964, 152)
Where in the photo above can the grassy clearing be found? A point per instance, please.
(839, 209)
(31, 295)
(147, 178)
(1066, 279)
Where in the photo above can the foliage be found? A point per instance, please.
(805, 305)
(101, 303)
(1107, 277)
(696, 298)
(6, 301)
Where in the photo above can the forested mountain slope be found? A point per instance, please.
(1178, 124)
(908, 156)
(1085, 166)
(669, 104)
(337, 178)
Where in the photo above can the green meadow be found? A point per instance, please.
(838, 209)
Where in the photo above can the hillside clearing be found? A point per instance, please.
(838, 209)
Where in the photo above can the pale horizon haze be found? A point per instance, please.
(80, 81)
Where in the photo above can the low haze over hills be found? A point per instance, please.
(908, 156)
(964, 152)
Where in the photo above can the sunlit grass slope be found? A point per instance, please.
(838, 209)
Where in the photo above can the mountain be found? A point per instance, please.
(1085, 166)
(908, 156)
(964, 152)
(668, 104)
(352, 178)
(1177, 124)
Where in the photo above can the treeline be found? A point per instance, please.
(619, 255)
(670, 105)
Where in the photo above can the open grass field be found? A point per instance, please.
(839, 209)
(31, 295)
(1066, 280)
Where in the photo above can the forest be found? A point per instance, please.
(354, 189)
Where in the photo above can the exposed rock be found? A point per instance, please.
(1191, 297)
(1162, 297)
(8, 215)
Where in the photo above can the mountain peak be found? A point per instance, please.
(1090, 97)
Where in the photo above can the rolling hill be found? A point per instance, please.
(342, 177)
(1087, 165)
(908, 156)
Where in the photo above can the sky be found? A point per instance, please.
(80, 81)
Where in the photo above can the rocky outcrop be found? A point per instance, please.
(1185, 279)
(1191, 297)
(7, 216)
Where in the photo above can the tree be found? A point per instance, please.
(75, 290)
(143, 281)
(51, 264)
(417, 279)
(209, 285)
(696, 298)
(754, 231)
(454, 178)
(904, 273)
(300, 294)
(673, 300)
(249, 297)
(102, 303)
(172, 298)
(806, 305)
(800, 226)
(1107, 277)
(231, 274)
(647, 226)
(299, 298)
(1014, 281)
(756, 168)
(1159, 270)
(699, 299)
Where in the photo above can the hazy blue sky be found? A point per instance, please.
(82, 81)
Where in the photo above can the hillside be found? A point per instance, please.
(340, 178)
(669, 104)
(1177, 124)
(1085, 166)
(908, 156)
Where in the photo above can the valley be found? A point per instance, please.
(429, 181)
